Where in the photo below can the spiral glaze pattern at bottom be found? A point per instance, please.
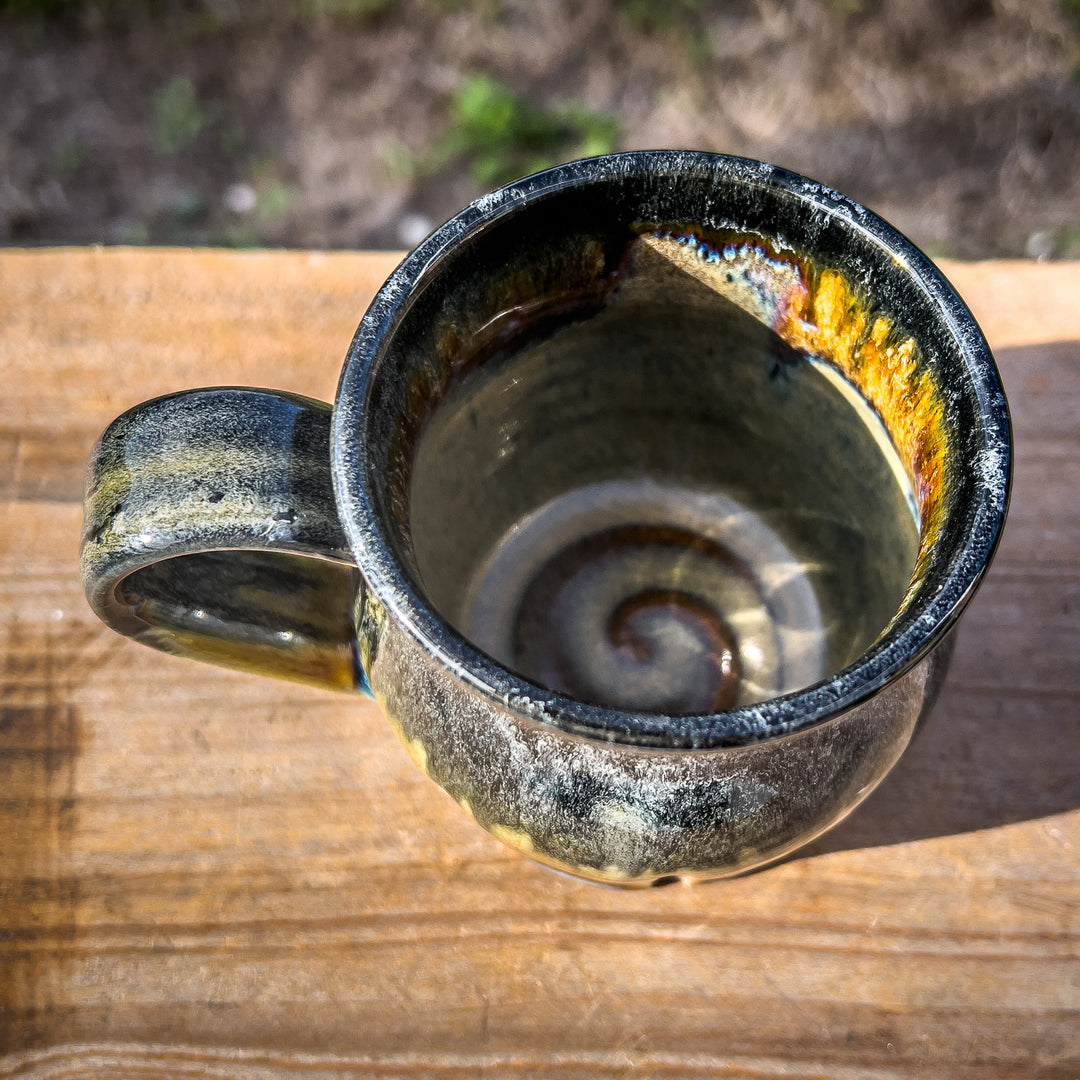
(637, 595)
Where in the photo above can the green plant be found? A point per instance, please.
(1060, 243)
(71, 159)
(682, 21)
(348, 9)
(232, 138)
(848, 7)
(651, 15)
(486, 9)
(178, 116)
(273, 196)
(501, 134)
(1072, 13)
(133, 233)
(399, 163)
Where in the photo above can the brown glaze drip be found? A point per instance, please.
(628, 634)
(533, 299)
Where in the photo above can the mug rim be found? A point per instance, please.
(908, 639)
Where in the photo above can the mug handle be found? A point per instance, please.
(210, 532)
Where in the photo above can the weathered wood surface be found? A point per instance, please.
(204, 874)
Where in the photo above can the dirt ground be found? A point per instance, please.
(362, 123)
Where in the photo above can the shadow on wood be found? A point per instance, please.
(1001, 746)
(40, 737)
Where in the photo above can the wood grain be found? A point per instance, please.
(204, 874)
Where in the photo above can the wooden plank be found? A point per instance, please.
(100, 331)
(205, 874)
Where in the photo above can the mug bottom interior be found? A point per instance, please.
(658, 505)
(643, 595)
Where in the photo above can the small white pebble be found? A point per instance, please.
(1040, 245)
(240, 198)
(412, 228)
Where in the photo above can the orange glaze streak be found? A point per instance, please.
(819, 313)
(827, 318)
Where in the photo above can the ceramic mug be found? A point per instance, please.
(653, 486)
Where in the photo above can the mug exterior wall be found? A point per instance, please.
(628, 815)
(634, 797)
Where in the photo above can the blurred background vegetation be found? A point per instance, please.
(363, 123)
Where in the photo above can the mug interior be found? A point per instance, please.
(667, 442)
